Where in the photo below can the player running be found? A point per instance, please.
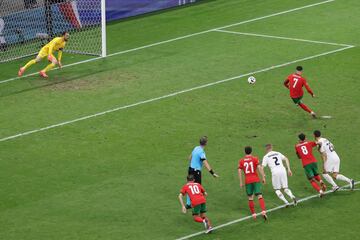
(198, 202)
(295, 83)
(331, 162)
(197, 159)
(279, 178)
(57, 44)
(250, 164)
(304, 152)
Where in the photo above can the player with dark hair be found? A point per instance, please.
(197, 159)
(57, 44)
(304, 152)
(198, 201)
(331, 162)
(250, 165)
(295, 83)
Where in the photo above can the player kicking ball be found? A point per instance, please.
(331, 162)
(295, 83)
(249, 165)
(278, 173)
(198, 202)
(304, 152)
(57, 44)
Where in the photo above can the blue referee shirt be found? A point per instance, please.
(197, 158)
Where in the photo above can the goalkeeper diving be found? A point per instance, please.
(55, 45)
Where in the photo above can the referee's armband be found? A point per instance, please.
(202, 159)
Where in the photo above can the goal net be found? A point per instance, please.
(27, 25)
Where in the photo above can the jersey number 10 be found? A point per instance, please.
(194, 189)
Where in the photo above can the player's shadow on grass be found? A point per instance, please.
(49, 82)
(73, 74)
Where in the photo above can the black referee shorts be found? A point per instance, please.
(196, 174)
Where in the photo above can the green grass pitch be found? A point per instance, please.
(117, 176)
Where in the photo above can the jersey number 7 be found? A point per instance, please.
(295, 82)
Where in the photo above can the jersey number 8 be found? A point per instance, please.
(304, 150)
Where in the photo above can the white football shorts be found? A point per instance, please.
(332, 164)
(279, 180)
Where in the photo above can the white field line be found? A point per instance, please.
(284, 38)
(349, 190)
(258, 214)
(275, 14)
(169, 95)
(176, 39)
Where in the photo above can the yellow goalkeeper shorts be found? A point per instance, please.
(44, 53)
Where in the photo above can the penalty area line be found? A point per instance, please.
(176, 39)
(169, 95)
(258, 214)
(284, 38)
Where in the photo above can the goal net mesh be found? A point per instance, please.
(27, 25)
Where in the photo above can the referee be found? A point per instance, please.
(197, 159)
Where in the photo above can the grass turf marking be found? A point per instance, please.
(258, 214)
(176, 39)
(3, 139)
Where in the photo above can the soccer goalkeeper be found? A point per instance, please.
(57, 44)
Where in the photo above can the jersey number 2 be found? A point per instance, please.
(276, 161)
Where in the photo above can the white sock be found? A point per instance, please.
(205, 224)
(281, 196)
(329, 179)
(343, 178)
(289, 193)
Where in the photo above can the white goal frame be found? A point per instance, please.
(103, 28)
(12, 49)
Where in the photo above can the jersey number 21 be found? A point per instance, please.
(249, 167)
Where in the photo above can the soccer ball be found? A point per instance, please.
(251, 80)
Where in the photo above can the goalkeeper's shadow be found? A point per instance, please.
(58, 77)
(41, 83)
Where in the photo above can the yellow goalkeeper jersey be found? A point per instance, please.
(56, 44)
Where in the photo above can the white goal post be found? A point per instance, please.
(26, 25)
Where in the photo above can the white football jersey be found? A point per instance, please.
(327, 147)
(275, 161)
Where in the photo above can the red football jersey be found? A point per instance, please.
(304, 151)
(195, 192)
(249, 165)
(295, 83)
